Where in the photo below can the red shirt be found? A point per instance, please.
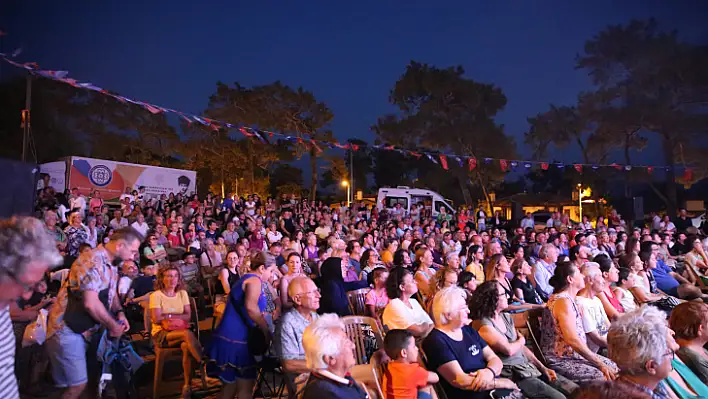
(402, 380)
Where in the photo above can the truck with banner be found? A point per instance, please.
(111, 178)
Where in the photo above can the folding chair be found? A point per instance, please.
(270, 388)
(357, 301)
(533, 323)
(355, 332)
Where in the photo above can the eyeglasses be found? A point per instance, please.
(670, 354)
(316, 292)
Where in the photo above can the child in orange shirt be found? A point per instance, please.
(404, 377)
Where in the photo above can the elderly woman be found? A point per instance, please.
(243, 332)
(563, 338)
(170, 312)
(643, 347)
(689, 321)
(403, 312)
(329, 353)
(468, 367)
(497, 329)
(210, 260)
(76, 234)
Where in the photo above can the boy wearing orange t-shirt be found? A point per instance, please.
(404, 377)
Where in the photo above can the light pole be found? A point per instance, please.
(580, 202)
(349, 188)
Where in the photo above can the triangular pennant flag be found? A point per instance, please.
(527, 165)
(417, 155)
(514, 164)
(618, 167)
(650, 169)
(430, 157)
(153, 109)
(544, 165)
(355, 147)
(560, 165)
(487, 160)
(459, 161)
(443, 161)
(595, 167)
(504, 165)
(578, 167)
(472, 163)
(627, 167)
(688, 174)
(314, 144)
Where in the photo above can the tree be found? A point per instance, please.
(363, 166)
(281, 108)
(660, 77)
(336, 171)
(443, 110)
(284, 178)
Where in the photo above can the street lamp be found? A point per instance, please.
(580, 201)
(346, 184)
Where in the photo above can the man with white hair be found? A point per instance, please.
(27, 252)
(595, 320)
(544, 268)
(642, 346)
(329, 354)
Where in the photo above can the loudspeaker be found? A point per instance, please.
(517, 213)
(632, 211)
(19, 187)
(638, 209)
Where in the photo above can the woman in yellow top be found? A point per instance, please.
(391, 245)
(170, 312)
(475, 257)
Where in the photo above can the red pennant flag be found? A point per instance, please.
(472, 163)
(578, 167)
(355, 147)
(417, 155)
(650, 169)
(544, 165)
(245, 132)
(153, 109)
(504, 164)
(688, 174)
(618, 167)
(443, 161)
(314, 144)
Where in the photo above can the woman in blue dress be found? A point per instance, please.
(232, 346)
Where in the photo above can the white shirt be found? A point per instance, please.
(124, 285)
(549, 222)
(397, 315)
(452, 247)
(142, 228)
(250, 208)
(527, 223)
(78, 202)
(594, 318)
(274, 236)
(656, 223)
(132, 199)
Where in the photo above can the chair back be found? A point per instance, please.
(355, 332)
(357, 301)
(533, 322)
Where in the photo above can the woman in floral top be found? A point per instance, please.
(563, 337)
(76, 234)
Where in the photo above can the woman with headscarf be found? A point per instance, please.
(333, 287)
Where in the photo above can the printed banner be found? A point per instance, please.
(112, 178)
(57, 175)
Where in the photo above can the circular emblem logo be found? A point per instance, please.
(100, 175)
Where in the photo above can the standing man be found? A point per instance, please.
(88, 300)
(27, 252)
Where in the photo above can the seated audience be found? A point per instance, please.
(403, 311)
(404, 377)
(497, 329)
(689, 321)
(329, 355)
(625, 281)
(610, 275)
(334, 288)
(595, 321)
(523, 288)
(563, 338)
(468, 367)
(294, 265)
(643, 347)
(376, 298)
(424, 272)
(468, 282)
(668, 281)
(171, 314)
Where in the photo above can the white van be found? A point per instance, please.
(388, 198)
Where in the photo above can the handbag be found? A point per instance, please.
(518, 372)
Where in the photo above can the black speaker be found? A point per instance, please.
(638, 209)
(517, 213)
(632, 211)
(19, 186)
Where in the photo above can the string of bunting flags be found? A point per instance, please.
(441, 159)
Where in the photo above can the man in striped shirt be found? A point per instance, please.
(26, 252)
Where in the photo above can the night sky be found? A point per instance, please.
(349, 54)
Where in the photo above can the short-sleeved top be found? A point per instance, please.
(477, 270)
(594, 318)
(664, 280)
(288, 335)
(92, 271)
(399, 316)
(167, 304)
(698, 363)
(378, 300)
(402, 380)
(510, 335)
(143, 284)
(8, 382)
(441, 349)
(530, 294)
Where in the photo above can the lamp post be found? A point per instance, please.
(349, 188)
(580, 202)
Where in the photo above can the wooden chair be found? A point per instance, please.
(357, 301)
(215, 314)
(438, 390)
(533, 324)
(352, 326)
(521, 324)
(163, 354)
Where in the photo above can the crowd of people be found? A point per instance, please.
(615, 304)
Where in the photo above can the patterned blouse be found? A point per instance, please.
(552, 342)
(75, 237)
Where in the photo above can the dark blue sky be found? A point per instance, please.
(348, 53)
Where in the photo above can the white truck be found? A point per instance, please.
(388, 197)
(111, 178)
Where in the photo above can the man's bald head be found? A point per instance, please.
(304, 293)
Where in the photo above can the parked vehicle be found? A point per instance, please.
(388, 197)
